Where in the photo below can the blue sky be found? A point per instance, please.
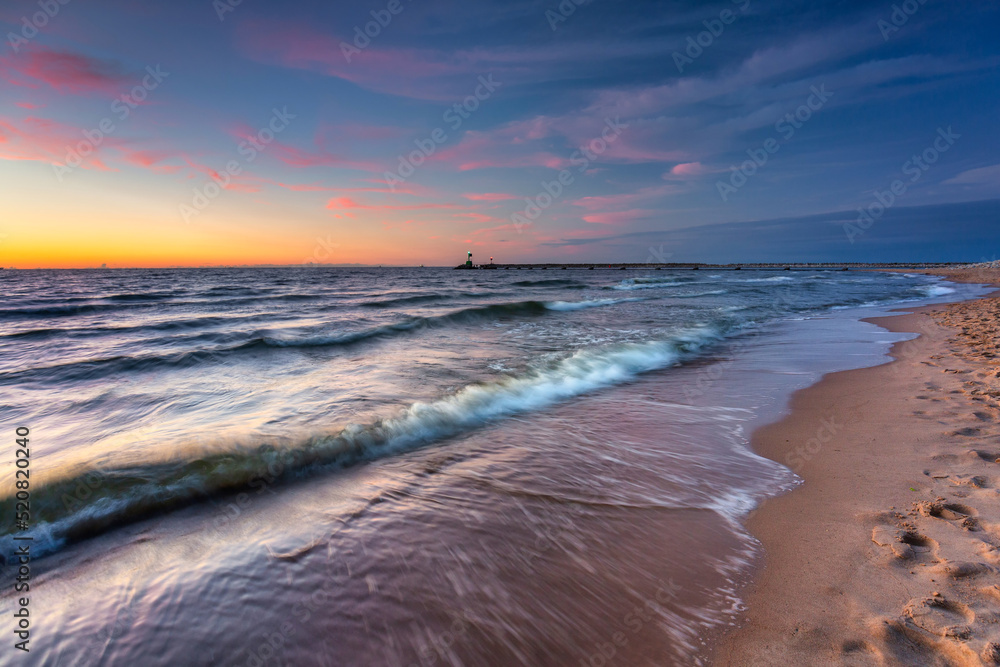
(528, 131)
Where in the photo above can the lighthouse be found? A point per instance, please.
(468, 262)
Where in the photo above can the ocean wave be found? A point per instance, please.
(35, 333)
(471, 315)
(937, 290)
(105, 304)
(545, 283)
(648, 282)
(166, 325)
(120, 495)
(773, 279)
(142, 296)
(59, 311)
(463, 316)
(92, 368)
(714, 292)
(407, 300)
(581, 305)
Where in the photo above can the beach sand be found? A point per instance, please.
(889, 552)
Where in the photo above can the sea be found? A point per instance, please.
(404, 466)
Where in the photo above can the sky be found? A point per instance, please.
(408, 132)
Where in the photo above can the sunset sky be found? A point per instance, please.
(116, 116)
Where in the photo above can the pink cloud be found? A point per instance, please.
(527, 143)
(43, 140)
(304, 187)
(530, 160)
(479, 150)
(412, 207)
(689, 169)
(153, 160)
(477, 217)
(300, 46)
(402, 189)
(342, 202)
(297, 157)
(348, 203)
(294, 156)
(66, 72)
(618, 217)
(29, 105)
(149, 159)
(238, 183)
(604, 202)
(638, 148)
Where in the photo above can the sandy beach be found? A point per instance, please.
(889, 552)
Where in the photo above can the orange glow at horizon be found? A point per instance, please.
(121, 219)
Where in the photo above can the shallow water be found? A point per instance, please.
(407, 466)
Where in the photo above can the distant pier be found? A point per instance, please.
(763, 266)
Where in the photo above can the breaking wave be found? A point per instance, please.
(116, 496)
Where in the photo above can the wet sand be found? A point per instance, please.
(889, 553)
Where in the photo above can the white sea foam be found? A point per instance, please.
(773, 279)
(647, 282)
(580, 305)
(937, 290)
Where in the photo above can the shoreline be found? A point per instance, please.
(884, 554)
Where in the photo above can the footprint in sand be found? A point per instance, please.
(991, 553)
(949, 511)
(992, 590)
(974, 481)
(961, 569)
(989, 457)
(940, 617)
(963, 515)
(903, 544)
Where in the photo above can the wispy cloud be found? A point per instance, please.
(63, 71)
